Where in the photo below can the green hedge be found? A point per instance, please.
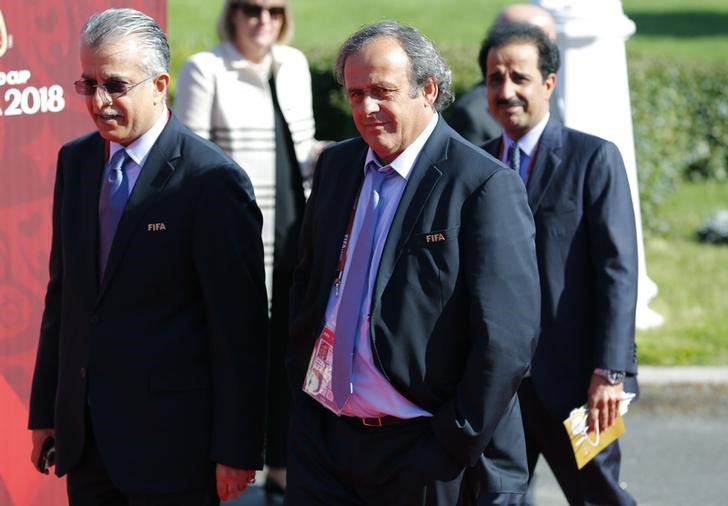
(680, 118)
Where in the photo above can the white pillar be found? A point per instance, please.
(593, 90)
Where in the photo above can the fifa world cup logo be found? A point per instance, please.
(3, 36)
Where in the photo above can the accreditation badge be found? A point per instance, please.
(317, 383)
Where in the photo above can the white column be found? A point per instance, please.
(593, 90)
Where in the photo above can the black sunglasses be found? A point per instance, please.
(256, 11)
(112, 89)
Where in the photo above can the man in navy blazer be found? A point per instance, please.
(151, 364)
(449, 309)
(469, 114)
(587, 258)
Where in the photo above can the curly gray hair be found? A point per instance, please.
(425, 61)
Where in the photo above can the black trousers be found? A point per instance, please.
(338, 462)
(279, 393)
(597, 483)
(89, 484)
(501, 499)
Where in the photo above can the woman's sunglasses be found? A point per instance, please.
(256, 11)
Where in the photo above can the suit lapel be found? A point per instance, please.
(152, 179)
(493, 147)
(91, 170)
(422, 180)
(546, 164)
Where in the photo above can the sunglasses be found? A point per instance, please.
(112, 89)
(256, 11)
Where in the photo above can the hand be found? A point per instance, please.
(39, 436)
(603, 402)
(231, 481)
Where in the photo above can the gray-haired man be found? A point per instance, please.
(425, 305)
(151, 364)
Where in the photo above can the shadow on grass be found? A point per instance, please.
(680, 23)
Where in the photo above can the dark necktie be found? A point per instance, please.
(114, 194)
(514, 158)
(349, 315)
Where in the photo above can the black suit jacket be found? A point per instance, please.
(168, 351)
(587, 259)
(452, 321)
(469, 116)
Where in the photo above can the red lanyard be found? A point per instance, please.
(345, 243)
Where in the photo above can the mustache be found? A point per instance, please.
(510, 103)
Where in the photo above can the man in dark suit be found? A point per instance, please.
(587, 258)
(150, 371)
(469, 115)
(414, 306)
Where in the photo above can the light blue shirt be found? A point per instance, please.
(138, 150)
(373, 395)
(527, 144)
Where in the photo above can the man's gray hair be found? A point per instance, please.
(425, 61)
(113, 25)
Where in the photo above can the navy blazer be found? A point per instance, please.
(587, 259)
(168, 351)
(453, 321)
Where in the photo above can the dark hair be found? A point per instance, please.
(425, 61)
(501, 35)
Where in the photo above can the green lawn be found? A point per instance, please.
(693, 280)
(679, 29)
(322, 25)
(674, 29)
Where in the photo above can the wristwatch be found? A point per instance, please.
(612, 376)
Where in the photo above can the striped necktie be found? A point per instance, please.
(514, 158)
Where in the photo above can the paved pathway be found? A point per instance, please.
(675, 450)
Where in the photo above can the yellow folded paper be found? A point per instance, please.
(587, 444)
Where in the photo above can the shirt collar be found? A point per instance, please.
(529, 141)
(140, 148)
(403, 164)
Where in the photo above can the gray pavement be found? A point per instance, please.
(675, 449)
(668, 459)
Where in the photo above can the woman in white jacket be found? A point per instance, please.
(251, 95)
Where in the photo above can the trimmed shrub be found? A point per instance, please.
(680, 117)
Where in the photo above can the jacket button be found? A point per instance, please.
(94, 319)
(83, 373)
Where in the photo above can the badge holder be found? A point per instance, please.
(317, 382)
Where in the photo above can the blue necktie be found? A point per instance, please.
(114, 194)
(348, 318)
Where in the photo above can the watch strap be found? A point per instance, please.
(613, 376)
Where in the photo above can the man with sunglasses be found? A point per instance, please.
(151, 365)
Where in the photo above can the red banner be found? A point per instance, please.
(39, 111)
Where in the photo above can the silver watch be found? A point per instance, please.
(612, 376)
